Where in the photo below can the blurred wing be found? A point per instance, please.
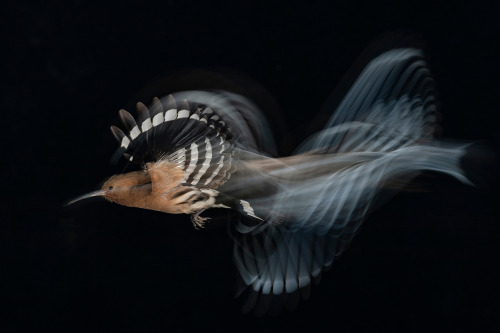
(250, 128)
(376, 134)
(390, 105)
(278, 265)
(381, 131)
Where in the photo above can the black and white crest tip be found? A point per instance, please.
(192, 136)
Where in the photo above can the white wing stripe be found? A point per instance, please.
(206, 163)
(193, 161)
(170, 115)
(125, 142)
(158, 119)
(221, 163)
(134, 133)
(183, 114)
(146, 125)
(248, 209)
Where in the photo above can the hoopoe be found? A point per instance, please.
(205, 149)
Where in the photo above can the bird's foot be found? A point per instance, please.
(199, 221)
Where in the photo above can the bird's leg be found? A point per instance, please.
(198, 221)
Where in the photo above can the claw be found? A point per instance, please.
(199, 221)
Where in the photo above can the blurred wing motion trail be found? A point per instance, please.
(298, 212)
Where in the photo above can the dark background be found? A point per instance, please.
(425, 261)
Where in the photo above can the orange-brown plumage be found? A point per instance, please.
(155, 188)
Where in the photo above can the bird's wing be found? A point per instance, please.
(392, 104)
(278, 265)
(382, 130)
(374, 136)
(189, 135)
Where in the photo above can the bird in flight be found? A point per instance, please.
(208, 149)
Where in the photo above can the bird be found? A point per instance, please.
(205, 149)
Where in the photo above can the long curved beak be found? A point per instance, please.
(85, 196)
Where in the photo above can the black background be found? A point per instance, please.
(425, 261)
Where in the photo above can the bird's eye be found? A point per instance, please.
(110, 188)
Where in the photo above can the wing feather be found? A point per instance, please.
(382, 130)
(193, 136)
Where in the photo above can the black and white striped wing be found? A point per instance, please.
(192, 136)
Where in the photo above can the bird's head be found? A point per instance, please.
(126, 189)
